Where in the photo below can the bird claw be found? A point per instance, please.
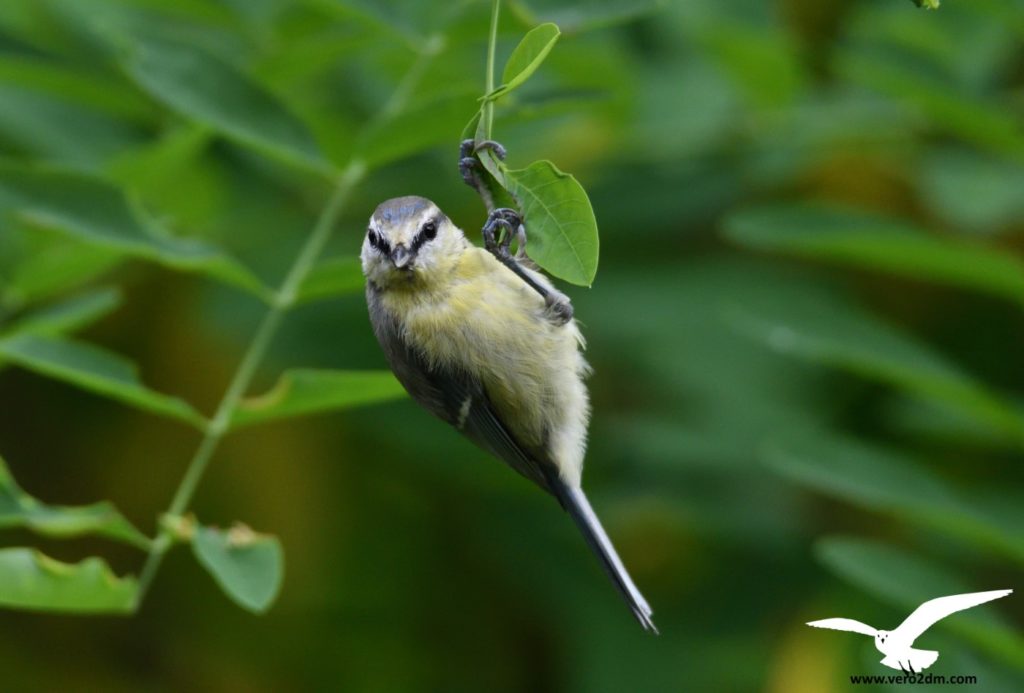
(468, 148)
(506, 219)
(502, 226)
(558, 309)
(469, 165)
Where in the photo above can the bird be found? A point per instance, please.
(488, 345)
(897, 645)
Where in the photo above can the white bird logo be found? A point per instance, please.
(896, 644)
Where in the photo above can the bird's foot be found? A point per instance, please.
(558, 309)
(469, 166)
(502, 226)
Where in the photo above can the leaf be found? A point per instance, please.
(927, 4)
(824, 329)
(53, 266)
(906, 581)
(860, 239)
(527, 57)
(78, 84)
(989, 125)
(50, 127)
(18, 509)
(94, 369)
(249, 567)
(976, 192)
(339, 276)
(31, 580)
(560, 224)
(888, 482)
(203, 88)
(304, 391)
(68, 315)
(414, 129)
(90, 211)
(938, 422)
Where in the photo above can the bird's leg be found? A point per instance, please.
(469, 167)
(501, 225)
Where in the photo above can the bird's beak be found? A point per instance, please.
(401, 257)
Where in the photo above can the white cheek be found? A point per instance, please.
(366, 256)
(373, 264)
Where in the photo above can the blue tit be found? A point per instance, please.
(481, 349)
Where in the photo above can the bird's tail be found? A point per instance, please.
(578, 507)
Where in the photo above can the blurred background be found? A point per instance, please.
(806, 334)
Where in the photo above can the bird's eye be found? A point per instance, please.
(429, 230)
(374, 239)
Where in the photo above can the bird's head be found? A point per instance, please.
(881, 637)
(410, 243)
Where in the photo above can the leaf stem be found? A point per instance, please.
(492, 43)
(218, 427)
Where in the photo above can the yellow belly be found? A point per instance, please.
(487, 321)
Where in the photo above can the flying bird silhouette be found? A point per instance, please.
(896, 645)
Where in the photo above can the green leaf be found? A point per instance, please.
(68, 315)
(18, 509)
(927, 4)
(79, 84)
(978, 193)
(338, 276)
(860, 239)
(50, 127)
(203, 88)
(560, 225)
(987, 124)
(249, 567)
(905, 581)
(176, 175)
(820, 327)
(304, 391)
(90, 211)
(31, 580)
(64, 521)
(415, 129)
(527, 57)
(94, 369)
(885, 481)
(53, 266)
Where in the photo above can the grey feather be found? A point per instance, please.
(446, 392)
(578, 507)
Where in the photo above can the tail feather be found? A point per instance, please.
(578, 507)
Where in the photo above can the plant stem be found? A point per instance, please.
(492, 43)
(284, 299)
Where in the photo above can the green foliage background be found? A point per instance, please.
(806, 332)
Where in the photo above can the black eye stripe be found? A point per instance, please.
(427, 232)
(377, 241)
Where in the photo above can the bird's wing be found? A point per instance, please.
(453, 396)
(935, 610)
(844, 624)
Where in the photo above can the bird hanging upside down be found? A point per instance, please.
(489, 346)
